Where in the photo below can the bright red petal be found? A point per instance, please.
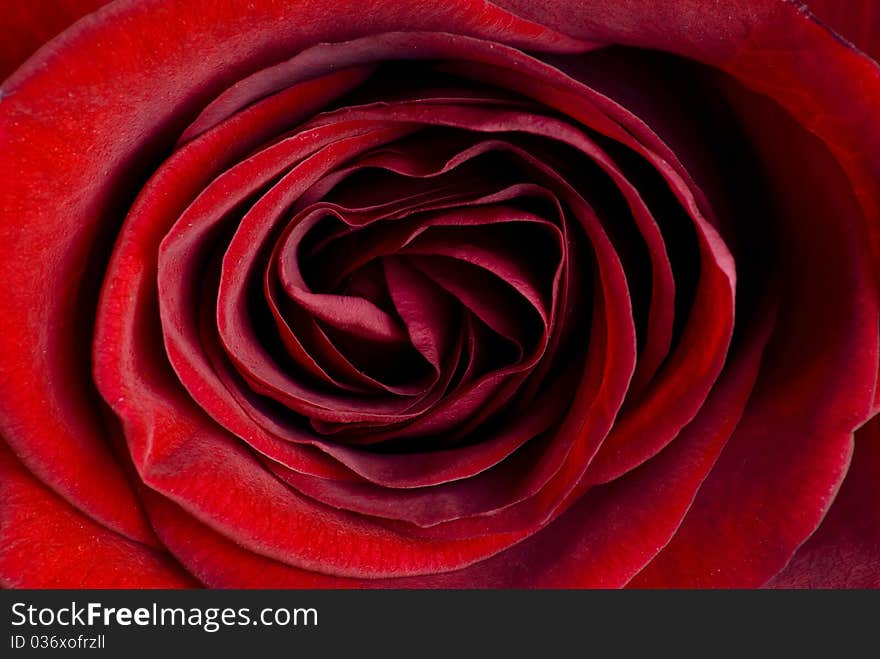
(46, 543)
(28, 25)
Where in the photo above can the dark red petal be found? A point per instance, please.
(680, 389)
(47, 543)
(600, 542)
(780, 470)
(203, 456)
(510, 481)
(845, 551)
(181, 452)
(822, 82)
(857, 21)
(192, 461)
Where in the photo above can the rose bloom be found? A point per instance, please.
(454, 294)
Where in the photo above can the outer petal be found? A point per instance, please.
(780, 470)
(46, 543)
(855, 20)
(28, 25)
(845, 551)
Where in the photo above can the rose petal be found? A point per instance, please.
(780, 470)
(816, 77)
(29, 25)
(583, 548)
(845, 551)
(857, 20)
(47, 543)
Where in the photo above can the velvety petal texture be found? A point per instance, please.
(845, 550)
(75, 551)
(27, 26)
(469, 295)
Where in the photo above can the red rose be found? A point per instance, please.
(464, 294)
